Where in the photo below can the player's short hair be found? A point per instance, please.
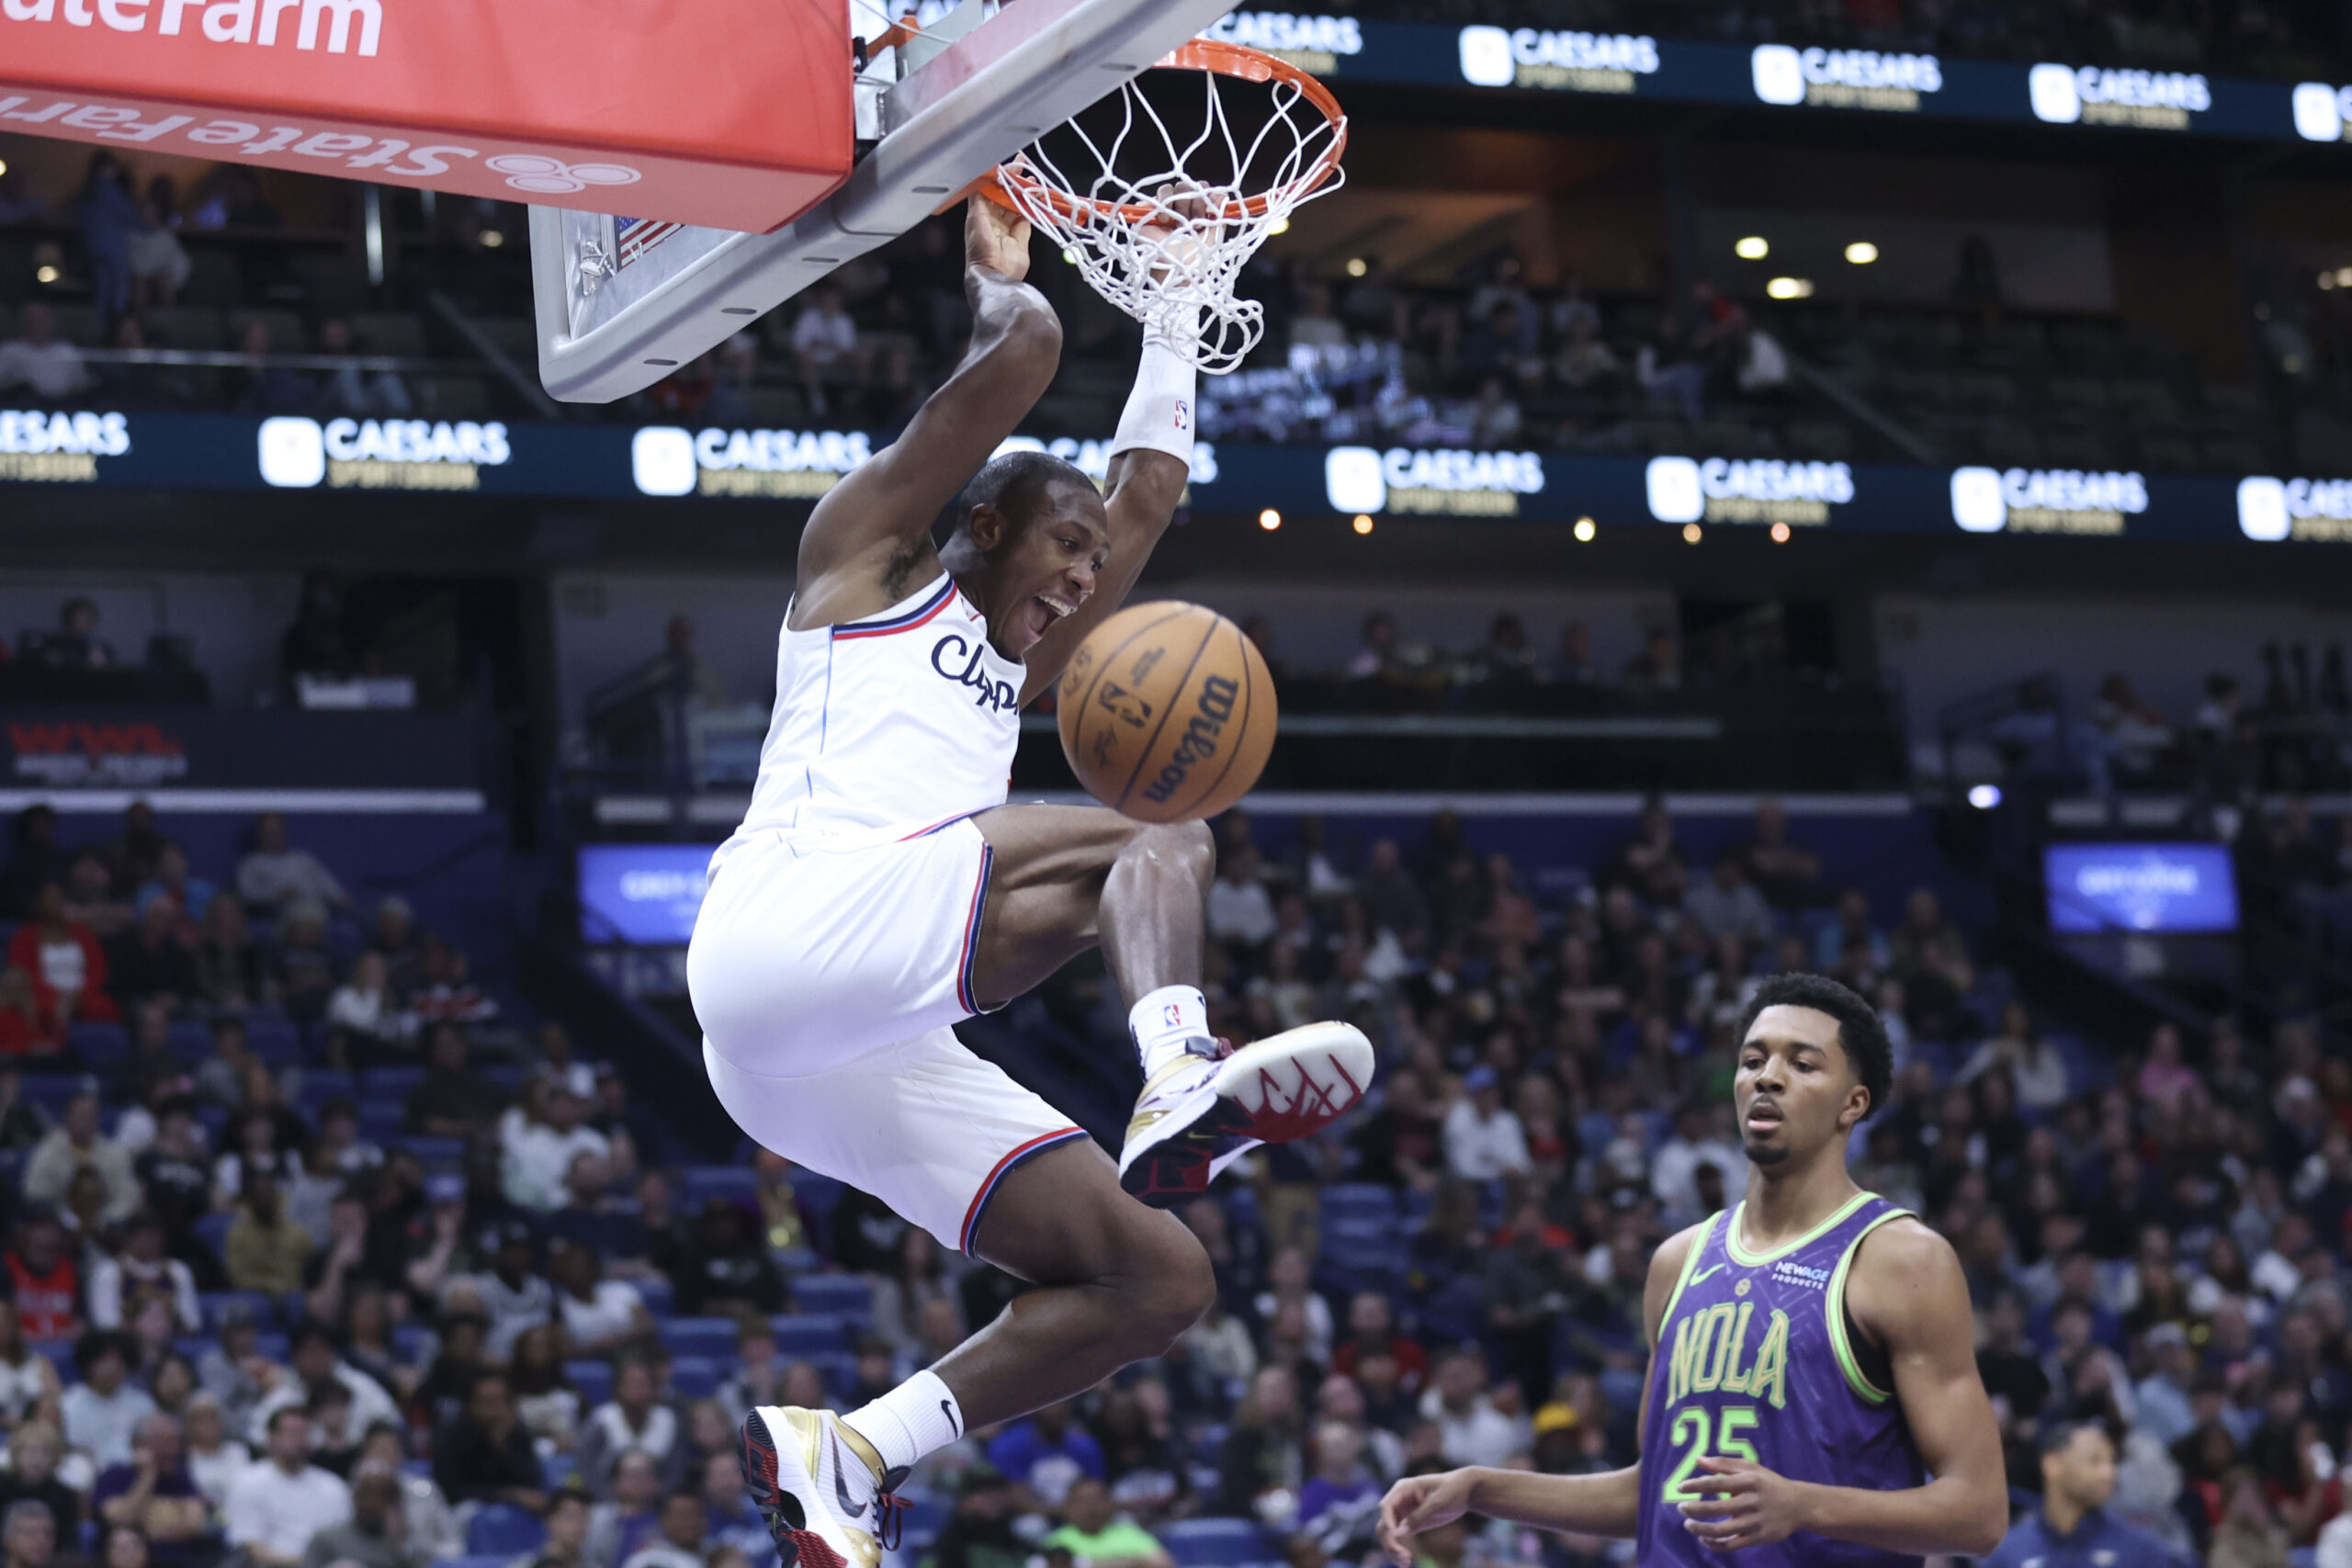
(1016, 484)
(2057, 1436)
(1861, 1034)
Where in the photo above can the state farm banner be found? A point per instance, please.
(140, 748)
(732, 114)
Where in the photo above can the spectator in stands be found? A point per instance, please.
(452, 1101)
(29, 1534)
(35, 1452)
(630, 1512)
(158, 263)
(515, 1294)
(1371, 306)
(153, 1495)
(598, 1315)
(1262, 1453)
(1786, 873)
(1484, 1140)
(568, 1517)
(152, 960)
(1315, 326)
(1726, 905)
(2034, 1065)
(364, 1010)
(215, 1459)
(302, 967)
(27, 1030)
(122, 1283)
(1471, 1429)
(1093, 1533)
(1338, 1507)
(262, 383)
(39, 361)
(67, 965)
(34, 861)
(77, 1145)
(1240, 911)
(825, 348)
(274, 873)
(349, 389)
(486, 1456)
(279, 1505)
(102, 1410)
(633, 1421)
(75, 644)
(229, 974)
(190, 893)
(266, 1251)
(28, 1383)
(1668, 371)
(537, 1161)
(1930, 957)
(375, 1536)
(678, 1544)
(727, 1268)
(1044, 1455)
(319, 1364)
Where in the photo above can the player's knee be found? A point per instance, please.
(1188, 846)
(1170, 1287)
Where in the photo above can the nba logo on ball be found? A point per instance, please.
(1674, 493)
(1977, 503)
(2262, 510)
(1352, 481)
(1486, 58)
(1778, 73)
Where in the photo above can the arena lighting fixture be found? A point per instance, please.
(2327, 280)
(1692, 533)
(1789, 288)
(1279, 226)
(1984, 797)
(1779, 533)
(2344, 277)
(1862, 253)
(1070, 257)
(1357, 266)
(1363, 524)
(1270, 520)
(1584, 531)
(492, 239)
(45, 275)
(1755, 247)
(3, 167)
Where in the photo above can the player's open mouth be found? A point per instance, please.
(1762, 1118)
(1045, 610)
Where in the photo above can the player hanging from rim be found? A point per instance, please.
(879, 890)
(1812, 1353)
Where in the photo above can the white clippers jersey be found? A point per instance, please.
(910, 717)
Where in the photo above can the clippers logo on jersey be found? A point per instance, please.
(637, 235)
(960, 659)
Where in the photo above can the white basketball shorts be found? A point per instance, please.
(826, 971)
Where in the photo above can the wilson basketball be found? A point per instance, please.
(1166, 713)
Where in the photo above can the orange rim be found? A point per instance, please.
(1219, 60)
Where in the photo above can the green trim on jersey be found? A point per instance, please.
(1740, 1255)
(1690, 1261)
(1833, 1302)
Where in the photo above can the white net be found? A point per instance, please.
(1162, 222)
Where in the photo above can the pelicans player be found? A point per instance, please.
(880, 889)
(1812, 1353)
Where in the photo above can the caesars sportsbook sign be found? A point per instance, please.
(544, 101)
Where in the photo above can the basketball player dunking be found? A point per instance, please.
(1812, 1359)
(880, 889)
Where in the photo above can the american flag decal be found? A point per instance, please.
(639, 235)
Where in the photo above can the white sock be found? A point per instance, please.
(916, 1418)
(1168, 1023)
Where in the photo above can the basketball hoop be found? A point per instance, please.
(1162, 231)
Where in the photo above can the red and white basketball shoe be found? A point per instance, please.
(1198, 1114)
(822, 1489)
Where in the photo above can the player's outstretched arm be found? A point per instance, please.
(1906, 1290)
(871, 531)
(1607, 1504)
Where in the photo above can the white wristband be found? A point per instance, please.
(1160, 411)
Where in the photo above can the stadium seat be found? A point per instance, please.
(704, 1182)
(212, 1230)
(189, 1041)
(381, 1119)
(51, 1091)
(102, 1047)
(560, 1470)
(592, 1381)
(502, 1529)
(275, 1040)
(437, 1154)
(661, 1296)
(390, 1083)
(323, 1084)
(1357, 1201)
(840, 1295)
(258, 1304)
(1216, 1543)
(413, 1343)
(705, 1336)
(696, 1377)
(807, 1333)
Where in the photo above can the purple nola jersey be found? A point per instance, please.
(1753, 1361)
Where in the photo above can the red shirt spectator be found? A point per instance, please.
(67, 965)
(1371, 1327)
(43, 1281)
(26, 1029)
